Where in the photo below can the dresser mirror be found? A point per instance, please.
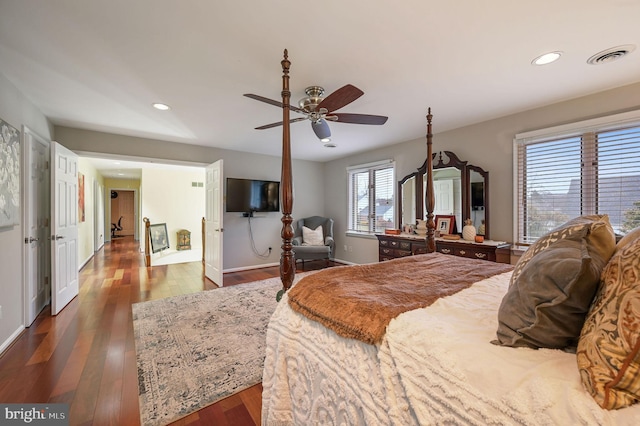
(460, 189)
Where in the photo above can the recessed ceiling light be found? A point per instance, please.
(547, 58)
(330, 145)
(161, 107)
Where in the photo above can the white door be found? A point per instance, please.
(36, 224)
(64, 227)
(213, 223)
(443, 192)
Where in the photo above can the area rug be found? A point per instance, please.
(196, 349)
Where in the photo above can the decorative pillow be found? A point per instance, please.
(609, 347)
(628, 238)
(601, 240)
(553, 285)
(312, 237)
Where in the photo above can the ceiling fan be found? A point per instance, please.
(319, 109)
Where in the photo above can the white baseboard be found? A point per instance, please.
(85, 262)
(246, 268)
(11, 339)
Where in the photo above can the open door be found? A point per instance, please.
(64, 227)
(213, 223)
(37, 292)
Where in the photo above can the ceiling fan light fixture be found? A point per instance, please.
(321, 129)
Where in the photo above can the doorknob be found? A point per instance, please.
(30, 240)
(57, 237)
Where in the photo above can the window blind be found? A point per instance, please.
(371, 197)
(592, 168)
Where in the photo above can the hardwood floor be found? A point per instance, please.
(85, 355)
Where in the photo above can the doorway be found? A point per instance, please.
(123, 213)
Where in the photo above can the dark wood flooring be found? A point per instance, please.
(85, 355)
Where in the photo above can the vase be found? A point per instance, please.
(421, 229)
(468, 231)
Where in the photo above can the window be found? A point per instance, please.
(372, 197)
(591, 167)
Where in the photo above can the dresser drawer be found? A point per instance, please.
(392, 253)
(470, 252)
(391, 247)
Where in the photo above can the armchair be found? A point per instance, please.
(304, 251)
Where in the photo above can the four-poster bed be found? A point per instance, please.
(408, 341)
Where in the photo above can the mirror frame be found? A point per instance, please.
(400, 183)
(465, 179)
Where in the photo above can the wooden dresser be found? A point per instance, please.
(394, 246)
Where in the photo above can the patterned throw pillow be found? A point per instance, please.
(609, 347)
(553, 285)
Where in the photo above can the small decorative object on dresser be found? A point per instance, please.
(469, 231)
(446, 224)
(421, 229)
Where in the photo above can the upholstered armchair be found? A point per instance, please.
(315, 246)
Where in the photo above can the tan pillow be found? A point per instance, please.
(312, 237)
(628, 237)
(608, 351)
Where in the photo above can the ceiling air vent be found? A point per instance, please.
(611, 54)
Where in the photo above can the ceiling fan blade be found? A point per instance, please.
(341, 97)
(273, 102)
(279, 123)
(360, 118)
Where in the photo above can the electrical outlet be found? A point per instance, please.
(345, 248)
(350, 249)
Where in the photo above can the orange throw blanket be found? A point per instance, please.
(358, 302)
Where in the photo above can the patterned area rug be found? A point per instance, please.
(195, 349)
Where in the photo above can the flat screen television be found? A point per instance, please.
(477, 195)
(250, 195)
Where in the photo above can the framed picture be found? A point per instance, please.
(159, 237)
(9, 175)
(446, 224)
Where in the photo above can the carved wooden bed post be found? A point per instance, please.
(429, 196)
(287, 259)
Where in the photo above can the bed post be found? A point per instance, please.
(287, 258)
(430, 200)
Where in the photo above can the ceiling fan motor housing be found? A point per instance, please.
(313, 98)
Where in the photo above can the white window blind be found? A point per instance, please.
(589, 168)
(372, 197)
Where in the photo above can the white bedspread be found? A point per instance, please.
(434, 366)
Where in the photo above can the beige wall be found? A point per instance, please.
(169, 197)
(86, 233)
(488, 145)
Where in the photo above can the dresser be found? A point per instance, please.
(394, 246)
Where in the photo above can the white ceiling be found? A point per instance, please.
(99, 65)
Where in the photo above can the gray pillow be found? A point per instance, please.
(545, 307)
